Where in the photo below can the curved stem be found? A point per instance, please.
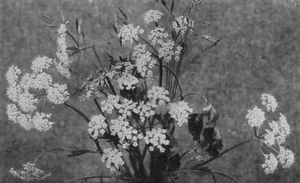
(50, 150)
(228, 150)
(87, 120)
(197, 93)
(224, 175)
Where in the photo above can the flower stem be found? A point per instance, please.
(87, 120)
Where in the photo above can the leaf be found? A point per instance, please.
(78, 153)
(172, 5)
(77, 25)
(212, 141)
(195, 125)
(209, 38)
(163, 2)
(125, 16)
(115, 29)
(174, 162)
(72, 48)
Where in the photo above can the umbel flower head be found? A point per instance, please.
(113, 159)
(29, 173)
(129, 33)
(152, 16)
(274, 134)
(255, 117)
(27, 91)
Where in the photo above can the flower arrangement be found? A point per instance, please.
(140, 102)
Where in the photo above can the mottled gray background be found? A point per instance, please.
(259, 52)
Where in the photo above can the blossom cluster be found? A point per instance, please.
(113, 159)
(180, 112)
(29, 173)
(64, 60)
(274, 136)
(129, 33)
(143, 60)
(152, 16)
(157, 138)
(27, 91)
(97, 126)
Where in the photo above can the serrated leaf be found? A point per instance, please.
(195, 125)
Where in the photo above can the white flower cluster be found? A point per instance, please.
(97, 126)
(63, 65)
(129, 33)
(280, 130)
(152, 16)
(113, 159)
(270, 163)
(122, 106)
(255, 117)
(166, 48)
(127, 134)
(157, 138)
(158, 95)
(285, 157)
(269, 101)
(29, 173)
(180, 112)
(25, 93)
(274, 136)
(110, 103)
(182, 24)
(145, 110)
(157, 35)
(143, 60)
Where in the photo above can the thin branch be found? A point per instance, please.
(97, 56)
(73, 38)
(228, 150)
(197, 93)
(49, 150)
(78, 111)
(87, 120)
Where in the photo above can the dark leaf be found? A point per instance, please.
(78, 153)
(163, 2)
(77, 25)
(174, 162)
(209, 38)
(125, 16)
(195, 125)
(115, 29)
(72, 48)
(212, 141)
(172, 5)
